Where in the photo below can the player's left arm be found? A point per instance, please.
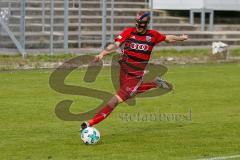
(173, 38)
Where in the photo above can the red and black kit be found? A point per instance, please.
(136, 52)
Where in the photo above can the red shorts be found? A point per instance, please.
(128, 85)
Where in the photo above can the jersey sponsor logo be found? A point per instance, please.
(139, 46)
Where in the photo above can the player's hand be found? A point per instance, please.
(184, 37)
(98, 58)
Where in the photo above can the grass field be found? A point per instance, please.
(30, 130)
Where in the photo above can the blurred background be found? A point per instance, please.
(75, 26)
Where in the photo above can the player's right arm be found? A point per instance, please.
(111, 48)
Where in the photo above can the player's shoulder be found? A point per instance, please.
(154, 32)
(129, 29)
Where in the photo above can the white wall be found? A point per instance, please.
(196, 4)
(223, 4)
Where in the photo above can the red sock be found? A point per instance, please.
(101, 115)
(146, 86)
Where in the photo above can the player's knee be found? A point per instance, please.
(119, 99)
(114, 101)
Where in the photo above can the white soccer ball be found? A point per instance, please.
(90, 135)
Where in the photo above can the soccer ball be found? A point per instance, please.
(90, 135)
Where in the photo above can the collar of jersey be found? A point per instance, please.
(140, 34)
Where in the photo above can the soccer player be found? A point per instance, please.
(137, 44)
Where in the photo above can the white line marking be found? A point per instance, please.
(221, 158)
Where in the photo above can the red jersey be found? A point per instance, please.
(137, 49)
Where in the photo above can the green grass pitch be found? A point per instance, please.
(30, 130)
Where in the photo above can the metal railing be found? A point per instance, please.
(55, 24)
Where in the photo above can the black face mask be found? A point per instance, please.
(142, 24)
